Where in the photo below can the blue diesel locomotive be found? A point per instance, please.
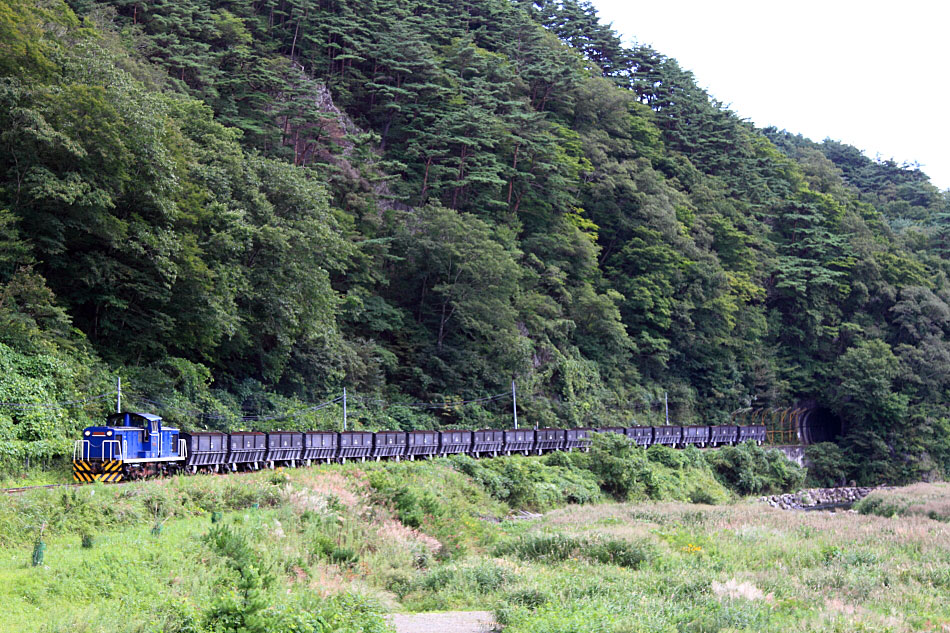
(137, 445)
(129, 445)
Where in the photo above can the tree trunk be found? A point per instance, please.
(455, 193)
(425, 179)
(514, 165)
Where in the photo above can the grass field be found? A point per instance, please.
(921, 500)
(333, 548)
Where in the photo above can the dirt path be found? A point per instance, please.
(448, 622)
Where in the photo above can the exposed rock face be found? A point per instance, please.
(319, 131)
(817, 497)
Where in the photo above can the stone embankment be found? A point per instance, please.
(814, 498)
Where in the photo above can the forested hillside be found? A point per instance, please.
(242, 207)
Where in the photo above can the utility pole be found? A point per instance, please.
(666, 405)
(344, 408)
(514, 402)
(118, 394)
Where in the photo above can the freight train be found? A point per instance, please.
(137, 445)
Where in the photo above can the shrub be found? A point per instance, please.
(621, 553)
(708, 494)
(399, 582)
(622, 469)
(531, 483)
(407, 507)
(530, 598)
(488, 577)
(749, 469)
(827, 465)
(344, 556)
(243, 608)
(927, 500)
(484, 577)
(553, 548)
(550, 548)
(666, 455)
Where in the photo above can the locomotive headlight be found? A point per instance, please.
(86, 433)
(109, 433)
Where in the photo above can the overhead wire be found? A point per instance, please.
(61, 403)
(243, 417)
(432, 405)
(249, 417)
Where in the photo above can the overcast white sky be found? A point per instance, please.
(869, 73)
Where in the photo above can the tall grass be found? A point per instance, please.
(926, 500)
(557, 547)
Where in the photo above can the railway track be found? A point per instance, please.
(14, 491)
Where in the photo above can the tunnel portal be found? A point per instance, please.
(806, 424)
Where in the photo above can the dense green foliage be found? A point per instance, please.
(827, 465)
(246, 206)
(613, 468)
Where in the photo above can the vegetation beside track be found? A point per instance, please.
(333, 548)
(927, 500)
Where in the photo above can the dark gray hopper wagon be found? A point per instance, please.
(518, 441)
(549, 440)
(697, 435)
(454, 442)
(640, 435)
(320, 445)
(247, 447)
(488, 442)
(355, 445)
(205, 451)
(284, 447)
(668, 435)
(389, 444)
(422, 443)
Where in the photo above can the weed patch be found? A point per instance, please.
(556, 548)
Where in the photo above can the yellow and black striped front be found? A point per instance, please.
(108, 471)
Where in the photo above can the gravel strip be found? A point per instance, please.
(447, 622)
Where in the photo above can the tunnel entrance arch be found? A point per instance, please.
(819, 424)
(808, 423)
